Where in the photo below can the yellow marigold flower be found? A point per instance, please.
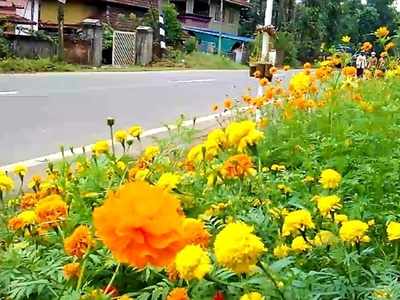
(263, 82)
(278, 168)
(217, 136)
(79, 242)
(286, 67)
(135, 131)
(300, 83)
(214, 108)
(151, 152)
(299, 244)
(228, 103)
(243, 134)
(281, 251)
(22, 220)
(340, 218)
(192, 262)
(346, 39)
(168, 181)
(71, 270)
(6, 183)
(328, 204)
(121, 136)
(330, 179)
(178, 294)
(382, 32)
(20, 170)
(100, 147)
(125, 297)
(354, 231)
(51, 210)
(307, 65)
(238, 166)
(296, 221)
(273, 70)
(121, 165)
(142, 174)
(393, 231)
(238, 248)
(324, 238)
(284, 188)
(252, 296)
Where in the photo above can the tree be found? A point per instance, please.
(173, 28)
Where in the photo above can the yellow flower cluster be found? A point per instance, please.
(330, 179)
(243, 134)
(354, 232)
(328, 204)
(393, 231)
(238, 248)
(168, 181)
(100, 147)
(296, 221)
(252, 296)
(192, 262)
(6, 183)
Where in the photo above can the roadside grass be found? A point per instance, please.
(199, 61)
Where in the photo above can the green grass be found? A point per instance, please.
(203, 61)
(24, 65)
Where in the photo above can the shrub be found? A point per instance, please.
(190, 45)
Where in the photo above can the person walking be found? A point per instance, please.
(372, 62)
(382, 62)
(361, 63)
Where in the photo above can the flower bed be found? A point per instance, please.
(300, 202)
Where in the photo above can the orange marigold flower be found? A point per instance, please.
(366, 46)
(178, 294)
(322, 74)
(172, 273)
(257, 74)
(15, 223)
(228, 103)
(141, 225)
(379, 74)
(79, 242)
(28, 201)
(382, 32)
(215, 107)
(273, 70)
(349, 71)
(307, 65)
(286, 67)
(195, 232)
(71, 270)
(263, 81)
(238, 166)
(51, 210)
(389, 46)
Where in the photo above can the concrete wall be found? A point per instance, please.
(75, 12)
(231, 18)
(30, 47)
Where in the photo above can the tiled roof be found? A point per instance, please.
(8, 12)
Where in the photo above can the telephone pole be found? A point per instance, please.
(267, 22)
(60, 19)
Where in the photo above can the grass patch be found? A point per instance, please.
(24, 65)
(199, 60)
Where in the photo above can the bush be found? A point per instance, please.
(24, 65)
(285, 42)
(190, 45)
(173, 28)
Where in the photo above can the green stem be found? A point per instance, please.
(112, 278)
(79, 284)
(269, 275)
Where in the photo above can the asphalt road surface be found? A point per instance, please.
(40, 112)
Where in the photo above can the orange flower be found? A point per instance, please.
(141, 225)
(307, 66)
(15, 223)
(247, 99)
(349, 71)
(178, 294)
(172, 273)
(389, 46)
(51, 210)
(238, 166)
(195, 232)
(228, 103)
(79, 242)
(322, 74)
(71, 270)
(263, 81)
(366, 46)
(257, 74)
(215, 108)
(286, 68)
(382, 32)
(379, 74)
(273, 70)
(28, 201)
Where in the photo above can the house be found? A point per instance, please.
(202, 19)
(11, 16)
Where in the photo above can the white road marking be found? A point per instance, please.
(193, 80)
(151, 132)
(6, 93)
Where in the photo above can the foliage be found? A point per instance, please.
(173, 28)
(5, 46)
(285, 42)
(108, 32)
(22, 65)
(198, 60)
(190, 45)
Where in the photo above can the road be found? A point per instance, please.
(40, 112)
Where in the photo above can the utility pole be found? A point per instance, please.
(221, 17)
(60, 19)
(267, 22)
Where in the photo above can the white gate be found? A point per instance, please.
(123, 48)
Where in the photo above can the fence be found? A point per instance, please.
(123, 48)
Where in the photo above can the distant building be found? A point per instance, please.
(202, 18)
